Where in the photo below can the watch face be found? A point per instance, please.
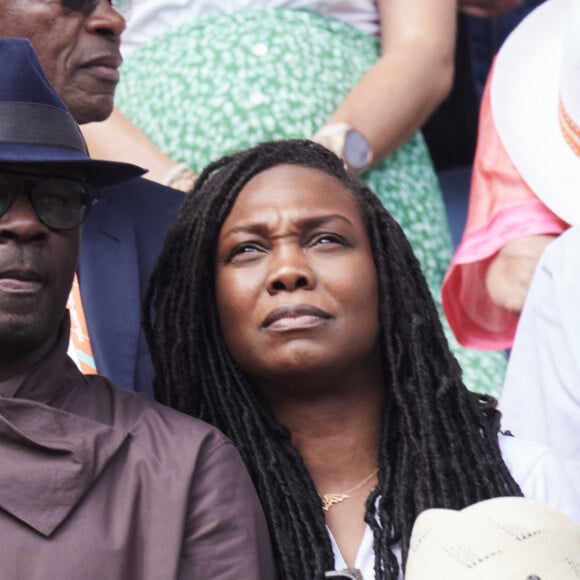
(356, 150)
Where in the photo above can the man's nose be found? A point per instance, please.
(21, 223)
(106, 20)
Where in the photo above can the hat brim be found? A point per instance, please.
(501, 538)
(524, 102)
(98, 173)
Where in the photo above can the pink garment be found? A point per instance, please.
(501, 208)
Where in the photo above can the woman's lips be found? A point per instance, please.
(301, 316)
(296, 323)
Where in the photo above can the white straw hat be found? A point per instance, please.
(508, 538)
(535, 101)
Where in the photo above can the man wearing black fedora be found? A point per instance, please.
(95, 482)
(77, 43)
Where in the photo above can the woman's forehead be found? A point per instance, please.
(286, 187)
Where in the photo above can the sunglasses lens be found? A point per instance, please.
(61, 204)
(82, 6)
(89, 6)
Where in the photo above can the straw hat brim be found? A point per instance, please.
(524, 100)
(502, 538)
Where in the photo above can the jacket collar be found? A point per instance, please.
(50, 457)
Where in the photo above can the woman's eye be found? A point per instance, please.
(244, 251)
(327, 239)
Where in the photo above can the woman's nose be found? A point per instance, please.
(290, 271)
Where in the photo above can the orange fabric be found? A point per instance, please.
(79, 335)
(569, 129)
(501, 208)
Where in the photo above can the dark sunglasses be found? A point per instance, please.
(59, 203)
(87, 7)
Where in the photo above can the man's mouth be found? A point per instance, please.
(105, 67)
(20, 281)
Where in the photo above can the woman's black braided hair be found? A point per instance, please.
(439, 442)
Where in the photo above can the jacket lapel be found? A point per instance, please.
(109, 282)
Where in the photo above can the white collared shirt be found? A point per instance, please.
(541, 395)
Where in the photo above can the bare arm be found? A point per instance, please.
(118, 139)
(510, 273)
(412, 76)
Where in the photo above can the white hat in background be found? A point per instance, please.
(508, 538)
(535, 101)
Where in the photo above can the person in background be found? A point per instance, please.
(414, 40)
(78, 47)
(489, 22)
(541, 395)
(451, 131)
(298, 321)
(525, 175)
(95, 482)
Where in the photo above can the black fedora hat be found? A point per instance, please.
(36, 126)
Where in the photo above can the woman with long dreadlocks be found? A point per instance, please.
(288, 309)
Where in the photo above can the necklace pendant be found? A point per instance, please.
(330, 499)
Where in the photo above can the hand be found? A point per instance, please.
(487, 8)
(510, 273)
(331, 143)
(181, 177)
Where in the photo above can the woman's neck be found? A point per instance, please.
(336, 434)
(335, 422)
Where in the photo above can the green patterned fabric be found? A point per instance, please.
(226, 82)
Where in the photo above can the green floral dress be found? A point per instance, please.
(229, 81)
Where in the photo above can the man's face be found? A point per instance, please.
(37, 266)
(78, 53)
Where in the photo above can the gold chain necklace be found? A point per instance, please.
(330, 499)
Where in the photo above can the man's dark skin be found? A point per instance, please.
(78, 53)
(37, 265)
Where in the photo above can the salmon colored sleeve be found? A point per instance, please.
(501, 208)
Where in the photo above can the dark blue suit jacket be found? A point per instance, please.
(121, 240)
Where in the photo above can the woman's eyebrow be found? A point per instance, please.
(317, 221)
(307, 223)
